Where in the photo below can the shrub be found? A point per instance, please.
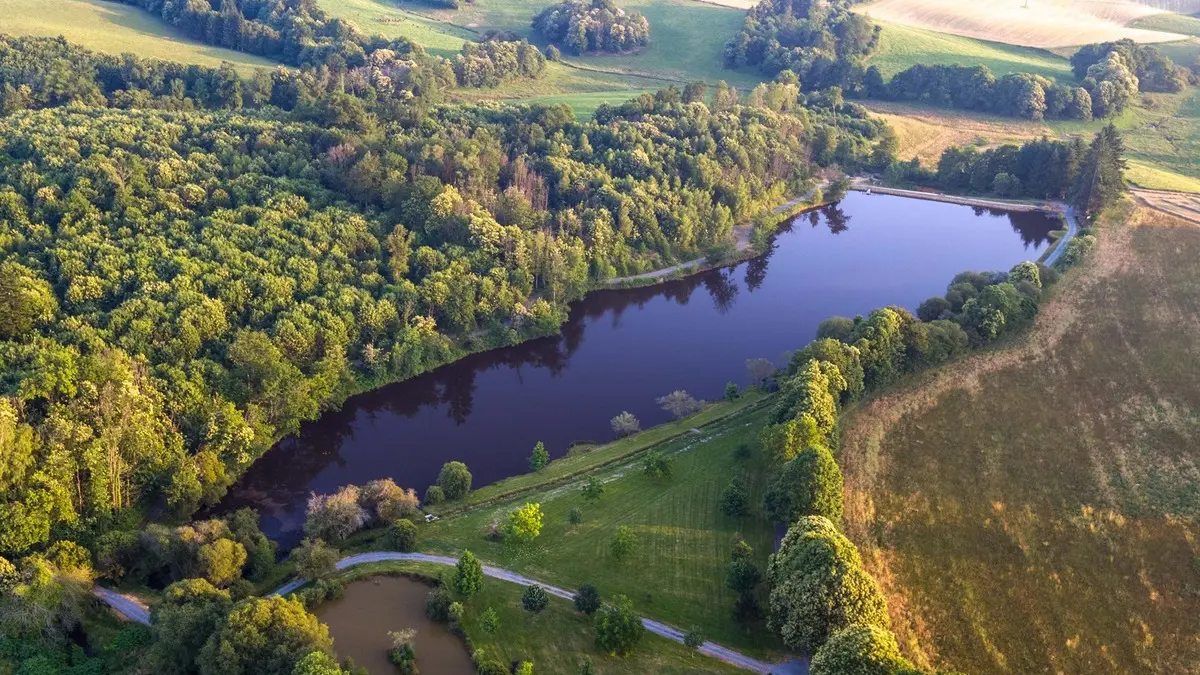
(679, 403)
(489, 621)
(732, 391)
(694, 638)
(524, 524)
(434, 495)
(387, 501)
(534, 599)
(314, 559)
(623, 543)
(656, 465)
(468, 576)
(618, 628)
(575, 515)
(625, 424)
(335, 517)
(455, 480)
(735, 499)
(592, 489)
(540, 457)
(587, 599)
(404, 535)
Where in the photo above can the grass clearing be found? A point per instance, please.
(555, 640)
(1037, 509)
(677, 571)
(1153, 178)
(901, 47)
(925, 132)
(1038, 23)
(115, 29)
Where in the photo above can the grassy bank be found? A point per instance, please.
(1035, 509)
(677, 570)
(589, 458)
(557, 639)
(115, 29)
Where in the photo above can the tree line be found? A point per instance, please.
(1090, 177)
(847, 627)
(584, 26)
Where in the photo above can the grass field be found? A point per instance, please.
(901, 47)
(686, 37)
(1153, 178)
(1169, 23)
(556, 640)
(1035, 509)
(677, 572)
(115, 29)
(1036, 23)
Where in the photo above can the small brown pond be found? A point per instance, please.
(360, 621)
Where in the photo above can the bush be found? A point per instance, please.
(540, 457)
(656, 465)
(534, 599)
(403, 533)
(575, 515)
(337, 516)
(625, 424)
(524, 524)
(387, 501)
(489, 621)
(623, 543)
(455, 480)
(587, 599)
(735, 499)
(618, 628)
(437, 604)
(314, 559)
(434, 495)
(860, 650)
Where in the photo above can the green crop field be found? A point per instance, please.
(1036, 509)
(115, 29)
(901, 47)
(677, 571)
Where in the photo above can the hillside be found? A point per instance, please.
(115, 29)
(1035, 509)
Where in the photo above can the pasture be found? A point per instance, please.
(1031, 23)
(1035, 509)
(115, 29)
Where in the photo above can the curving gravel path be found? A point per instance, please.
(670, 632)
(1072, 218)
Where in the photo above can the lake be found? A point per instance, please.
(621, 349)
(361, 619)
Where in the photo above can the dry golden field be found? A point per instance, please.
(1036, 23)
(1036, 509)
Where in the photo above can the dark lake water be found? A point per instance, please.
(623, 348)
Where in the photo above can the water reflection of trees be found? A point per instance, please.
(1033, 227)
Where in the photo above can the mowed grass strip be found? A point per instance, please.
(1037, 509)
(677, 571)
(557, 639)
(116, 29)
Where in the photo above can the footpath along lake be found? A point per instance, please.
(623, 348)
